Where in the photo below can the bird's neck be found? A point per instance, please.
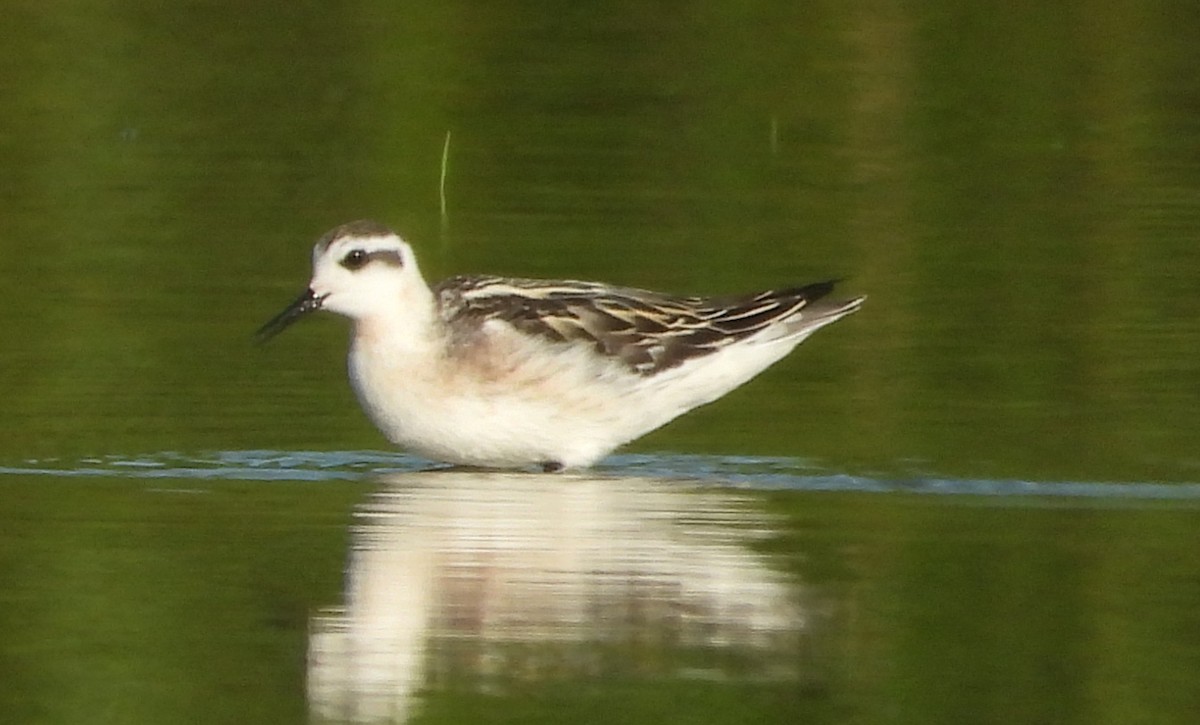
(410, 324)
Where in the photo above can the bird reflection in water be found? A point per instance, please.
(486, 579)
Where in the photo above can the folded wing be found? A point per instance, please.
(646, 331)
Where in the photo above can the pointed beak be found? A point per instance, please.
(305, 303)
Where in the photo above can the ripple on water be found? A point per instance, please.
(763, 473)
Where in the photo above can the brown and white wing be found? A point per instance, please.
(646, 331)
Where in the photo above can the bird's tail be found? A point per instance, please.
(818, 314)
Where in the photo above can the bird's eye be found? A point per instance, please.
(355, 259)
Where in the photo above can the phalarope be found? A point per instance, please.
(501, 372)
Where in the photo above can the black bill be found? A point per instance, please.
(305, 303)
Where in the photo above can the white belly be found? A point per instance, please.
(534, 404)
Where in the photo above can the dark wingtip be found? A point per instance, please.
(817, 290)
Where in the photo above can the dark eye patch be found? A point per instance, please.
(356, 259)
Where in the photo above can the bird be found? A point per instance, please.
(498, 372)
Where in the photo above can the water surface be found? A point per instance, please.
(359, 587)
